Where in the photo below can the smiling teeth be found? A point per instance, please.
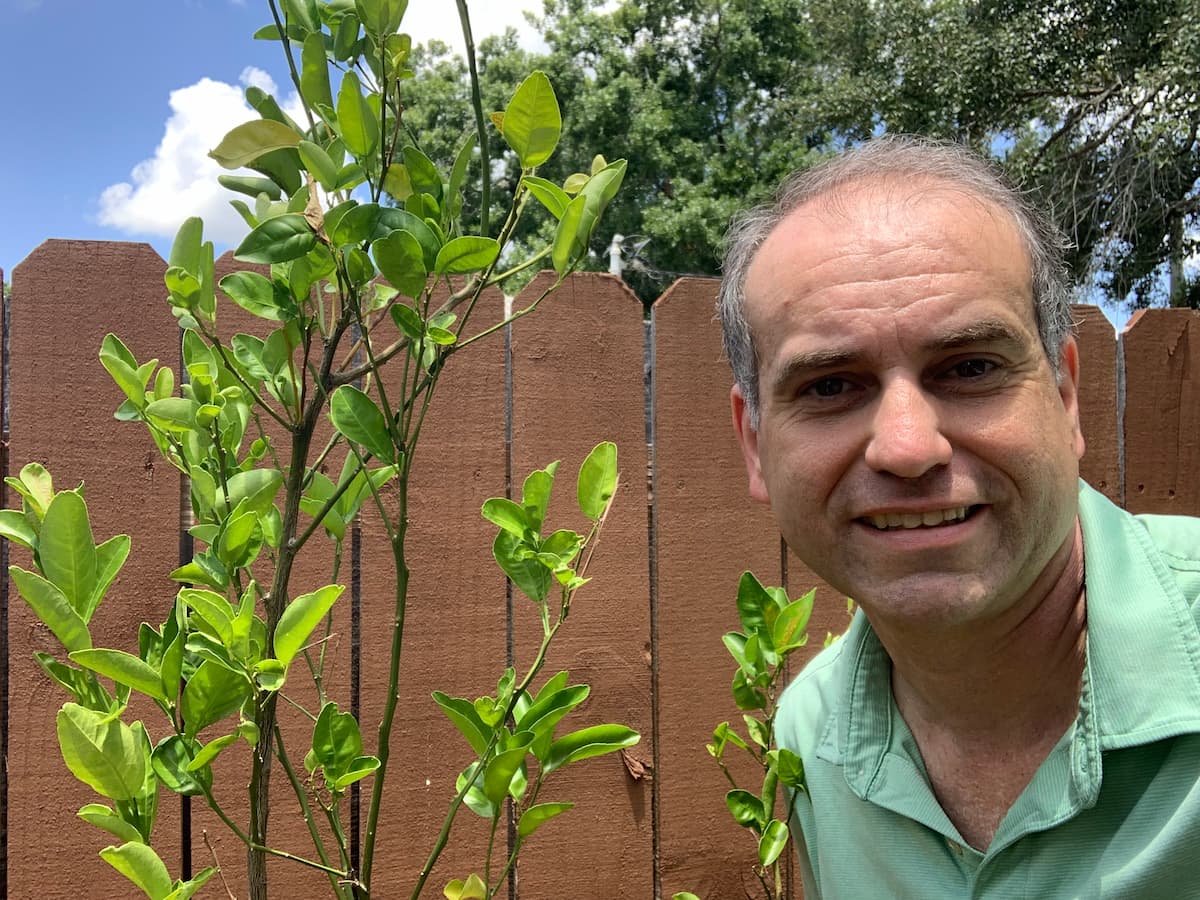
(918, 520)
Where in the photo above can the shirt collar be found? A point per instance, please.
(1136, 614)
(1143, 644)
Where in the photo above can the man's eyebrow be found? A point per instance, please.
(989, 331)
(812, 361)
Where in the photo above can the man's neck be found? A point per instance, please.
(994, 678)
(987, 704)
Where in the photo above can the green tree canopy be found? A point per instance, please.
(1092, 104)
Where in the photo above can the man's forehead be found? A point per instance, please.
(872, 217)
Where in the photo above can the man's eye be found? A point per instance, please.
(973, 368)
(827, 387)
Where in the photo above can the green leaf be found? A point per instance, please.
(570, 237)
(537, 816)
(757, 729)
(549, 194)
(212, 693)
(526, 573)
(589, 742)
(598, 480)
(187, 889)
(471, 889)
(747, 809)
(175, 414)
(66, 550)
(788, 631)
(172, 762)
(314, 73)
(301, 14)
(142, 866)
(401, 260)
(535, 495)
(257, 486)
(475, 798)
(462, 713)
(110, 557)
(258, 296)
(299, 619)
(319, 163)
(250, 140)
(51, 606)
(770, 845)
(452, 204)
(745, 694)
(466, 254)
(186, 251)
(357, 770)
(123, 668)
(789, 766)
(337, 741)
(500, 771)
(753, 601)
(532, 121)
(103, 817)
(510, 516)
(250, 185)
(206, 754)
(79, 683)
(15, 527)
(357, 417)
(101, 751)
(546, 712)
(390, 219)
(345, 37)
(121, 365)
(357, 124)
(422, 174)
(408, 321)
(213, 609)
(280, 239)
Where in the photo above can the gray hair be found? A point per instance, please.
(893, 157)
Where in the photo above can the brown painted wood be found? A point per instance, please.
(66, 296)
(455, 628)
(1098, 413)
(708, 531)
(578, 380)
(1162, 411)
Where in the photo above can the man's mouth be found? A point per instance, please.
(930, 519)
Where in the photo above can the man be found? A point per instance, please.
(1015, 712)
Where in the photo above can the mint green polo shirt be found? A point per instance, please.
(1114, 810)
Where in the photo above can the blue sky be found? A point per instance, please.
(108, 110)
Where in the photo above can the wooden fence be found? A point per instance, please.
(646, 633)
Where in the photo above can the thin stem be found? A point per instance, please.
(462, 345)
(291, 61)
(485, 190)
(521, 267)
(302, 796)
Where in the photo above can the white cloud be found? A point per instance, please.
(180, 180)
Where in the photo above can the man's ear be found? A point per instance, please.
(1068, 389)
(747, 437)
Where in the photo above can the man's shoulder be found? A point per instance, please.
(808, 706)
(1177, 538)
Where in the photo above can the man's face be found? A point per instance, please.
(915, 446)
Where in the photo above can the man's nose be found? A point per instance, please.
(906, 437)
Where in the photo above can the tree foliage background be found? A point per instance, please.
(1093, 105)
